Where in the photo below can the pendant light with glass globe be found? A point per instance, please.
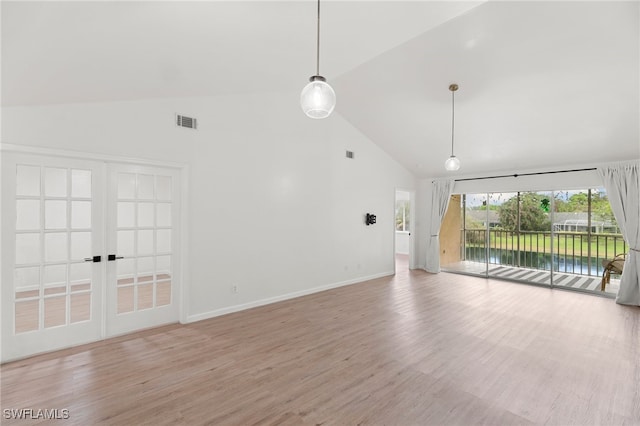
(452, 163)
(317, 98)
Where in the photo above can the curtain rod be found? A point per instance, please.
(527, 174)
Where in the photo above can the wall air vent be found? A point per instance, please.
(188, 122)
(350, 154)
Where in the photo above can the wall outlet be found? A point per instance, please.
(234, 288)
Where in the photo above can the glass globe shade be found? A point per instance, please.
(317, 99)
(452, 163)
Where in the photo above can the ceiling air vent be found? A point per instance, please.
(188, 122)
(350, 154)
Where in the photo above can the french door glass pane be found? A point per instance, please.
(81, 183)
(50, 257)
(27, 215)
(145, 187)
(55, 214)
(81, 214)
(144, 222)
(27, 248)
(27, 181)
(55, 275)
(27, 278)
(55, 182)
(126, 214)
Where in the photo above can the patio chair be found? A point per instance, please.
(614, 265)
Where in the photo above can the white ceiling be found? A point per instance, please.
(541, 83)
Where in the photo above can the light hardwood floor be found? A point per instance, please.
(413, 349)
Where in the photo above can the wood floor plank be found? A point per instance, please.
(412, 349)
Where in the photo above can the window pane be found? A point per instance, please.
(145, 214)
(80, 307)
(55, 290)
(163, 214)
(163, 293)
(164, 241)
(26, 278)
(55, 214)
(534, 211)
(145, 296)
(125, 271)
(27, 215)
(145, 187)
(55, 311)
(145, 269)
(81, 183)
(163, 188)
(55, 274)
(163, 267)
(126, 215)
(27, 315)
(55, 182)
(126, 186)
(55, 247)
(28, 180)
(145, 242)
(125, 243)
(125, 299)
(80, 273)
(27, 248)
(81, 245)
(402, 215)
(81, 214)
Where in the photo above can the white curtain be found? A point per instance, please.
(440, 195)
(622, 182)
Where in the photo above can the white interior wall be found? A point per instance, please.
(274, 206)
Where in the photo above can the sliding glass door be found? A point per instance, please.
(586, 237)
(520, 239)
(548, 238)
(466, 225)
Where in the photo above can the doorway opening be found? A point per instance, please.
(403, 225)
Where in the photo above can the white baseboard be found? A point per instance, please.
(262, 302)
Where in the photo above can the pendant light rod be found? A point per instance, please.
(453, 89)
(452, 164)
(318, 43)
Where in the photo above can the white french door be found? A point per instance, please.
(52, 216)
(142, 257)
(89, 250)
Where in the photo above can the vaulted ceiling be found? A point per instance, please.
(541, 83)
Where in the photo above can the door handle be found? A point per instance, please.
(93, 259)
(114, 257)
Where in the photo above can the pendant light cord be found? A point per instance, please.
(318, 43)
(453, 115)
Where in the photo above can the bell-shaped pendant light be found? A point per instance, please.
(317, 98)
(452, 162)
